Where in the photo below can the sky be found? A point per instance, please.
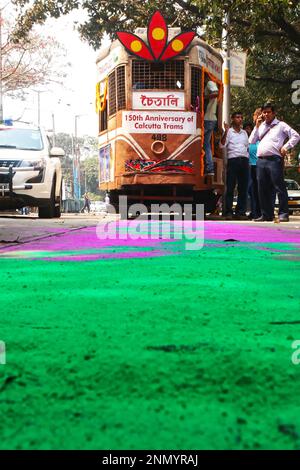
(62, 103)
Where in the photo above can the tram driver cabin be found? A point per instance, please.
(151, 124)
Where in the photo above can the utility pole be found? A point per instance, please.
(73, 166)
(77, 159)
(39, 107)
(77, 153)
(226, 68)
(226, 95)
(1, 68)
(53, 130)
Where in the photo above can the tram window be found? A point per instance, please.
(112, 96)
(116, 91)
(196, 88)
(163, 75)
(103, 120)
(121, 98)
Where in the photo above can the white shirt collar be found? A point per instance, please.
(273, 123)
(238, 132)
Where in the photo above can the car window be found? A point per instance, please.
(292, 185)
(22, 139)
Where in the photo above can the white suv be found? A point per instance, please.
(30, 170)
(293, 190)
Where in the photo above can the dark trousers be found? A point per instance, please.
(270, 176)
(237, 173)
(86, 206)
(253, 193)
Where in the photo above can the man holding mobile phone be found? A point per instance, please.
(235, 140)
(272, 134)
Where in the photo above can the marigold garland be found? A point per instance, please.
(101, 98)
(220, 99)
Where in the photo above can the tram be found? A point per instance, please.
(151, 105)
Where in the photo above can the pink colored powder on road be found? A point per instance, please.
(87, 239)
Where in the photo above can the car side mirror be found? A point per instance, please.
(57, 152)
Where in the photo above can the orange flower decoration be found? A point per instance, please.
(159, 49)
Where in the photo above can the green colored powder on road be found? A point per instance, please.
(174, 352)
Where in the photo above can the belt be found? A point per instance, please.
(236, 158)
(269, 157)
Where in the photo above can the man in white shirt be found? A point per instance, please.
(235, 139)
(211, 92)
(275, 139)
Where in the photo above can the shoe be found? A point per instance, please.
(209, 174)
(263, 219)
(284, 219)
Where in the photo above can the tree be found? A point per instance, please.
(269, 30)
(252, 20)
(65, 141)
(89, 165)
(91, 174)
(27, 62)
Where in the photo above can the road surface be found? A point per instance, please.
(135, 341)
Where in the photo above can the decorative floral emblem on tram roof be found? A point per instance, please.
(159, 49)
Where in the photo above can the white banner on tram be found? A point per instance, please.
(143, 122)
(158, 100)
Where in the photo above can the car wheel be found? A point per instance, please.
(58, 205)
(57, 209)
(48, 211)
